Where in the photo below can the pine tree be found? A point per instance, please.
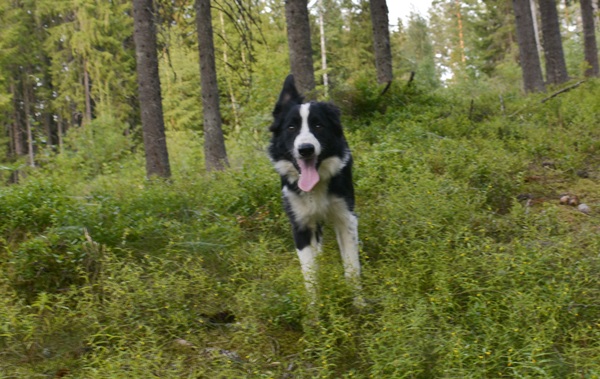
(214, 144)
(556, 68)
(381, 40)
(589, 38)
(299, 44)
(528, 52)
(449, 36)
(155, 144)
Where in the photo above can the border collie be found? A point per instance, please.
(310, 153)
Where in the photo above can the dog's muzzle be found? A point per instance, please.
(306, 150)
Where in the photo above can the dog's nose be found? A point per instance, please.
(306, 150)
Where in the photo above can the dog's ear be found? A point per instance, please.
(334, 115)
(289, 96)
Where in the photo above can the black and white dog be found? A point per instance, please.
(310, 153)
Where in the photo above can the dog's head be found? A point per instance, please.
(304, 134)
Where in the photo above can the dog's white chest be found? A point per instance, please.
(313, 207)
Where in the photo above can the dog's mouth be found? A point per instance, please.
(309, 176)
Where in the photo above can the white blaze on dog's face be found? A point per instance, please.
(306, 152)
(306, 136)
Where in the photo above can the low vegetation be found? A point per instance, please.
(472, 266)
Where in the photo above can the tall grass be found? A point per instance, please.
(472, 268)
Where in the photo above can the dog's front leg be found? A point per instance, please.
(307, 241)
(346, 231)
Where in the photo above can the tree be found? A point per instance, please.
(451, 36)
(17, 140)
(416, 53)
(493, 32)
(323, 48)
(556, 68)
(528, 53)
(215, 155)
(381, 40)
(28, 116)
(461, 32)
(90, 57)
(300, 50)
(153, 126)
(24, 71)
(589, 38)
(348, 28)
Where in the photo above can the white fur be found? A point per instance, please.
(305, 135)
(308, 263)
(346, 231)
(310, 208)
(287, 169)
(327, 169)
(332, 166)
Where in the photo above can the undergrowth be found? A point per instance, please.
(472, 267)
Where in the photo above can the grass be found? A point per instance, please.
(472, 268)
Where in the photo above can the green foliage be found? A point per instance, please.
(414, 55)
(105, 274)
(472, 268)
(29, 208)
(99, 147)
(93, 38)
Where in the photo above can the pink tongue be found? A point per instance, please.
(309, 177)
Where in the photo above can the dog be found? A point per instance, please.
(309, 151)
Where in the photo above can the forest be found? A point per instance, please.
(142, 233)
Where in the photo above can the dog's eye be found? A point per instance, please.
(292, 127)
(318, 126)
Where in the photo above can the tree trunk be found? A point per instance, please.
(60, 132)
(461, 35)
(381, 40)
(536, 29)
(528, 53)
(323, 49)
(17, 142)
(215, 155)
(556, 68)
(28, 126)
(589, 38)
(153, 125)
(88, 95)
(234, 104)
(298, 31)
